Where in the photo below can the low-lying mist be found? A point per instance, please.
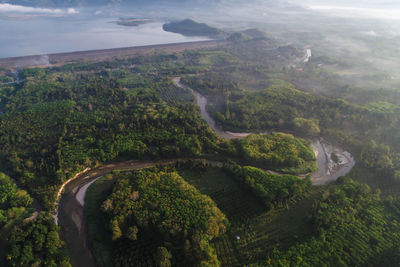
(359, 40)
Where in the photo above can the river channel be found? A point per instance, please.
(70, 212)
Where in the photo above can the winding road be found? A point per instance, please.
(69, 211)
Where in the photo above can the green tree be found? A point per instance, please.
(132, 232)
(163, 257)
(116, 230)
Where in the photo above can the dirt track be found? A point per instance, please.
(100, 55)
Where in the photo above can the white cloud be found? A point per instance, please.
(8, 8)
(371, 33)
(349, 11)
(72, 11)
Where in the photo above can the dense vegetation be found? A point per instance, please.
(247, 214)
(13, 201)
(162, 201)
(279, 151)
(54, 124)
(255, 230)
(250, 88)
(36, 243)
(355, 227)
(271, 189)
(63, 119)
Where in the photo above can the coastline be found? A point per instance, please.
(46, 60)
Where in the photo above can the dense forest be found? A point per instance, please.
(57, 121)
(271, 189)
(37, 243)
(13, 202)
(60, 121)
(53, 124)
(279, 151)
(355, 227)
(162, 201)
(140, 217)
(263, 95)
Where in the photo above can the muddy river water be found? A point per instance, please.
(327, 169)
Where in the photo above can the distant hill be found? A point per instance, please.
(132, 22)
(247, 35)
(289, 51)
(190, 27)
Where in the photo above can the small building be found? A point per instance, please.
(308, 55)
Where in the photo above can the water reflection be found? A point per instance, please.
(43, 35)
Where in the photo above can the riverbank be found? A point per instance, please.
(61, 191)
(71, 213)
(202, 103)
(72, 216)
(328, 170)
(71, 206)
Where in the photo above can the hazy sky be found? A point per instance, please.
(376, 9)
(8, 8)
(358, 3)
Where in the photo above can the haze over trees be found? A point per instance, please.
(226, 205)
(352, 225)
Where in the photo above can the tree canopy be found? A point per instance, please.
(163, 201)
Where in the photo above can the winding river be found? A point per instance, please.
(70, 212)
(327, 170)
(70, 209)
